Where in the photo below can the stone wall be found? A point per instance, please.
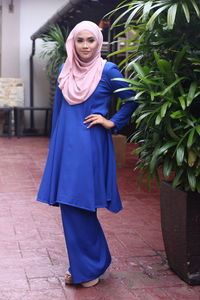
(11, 94)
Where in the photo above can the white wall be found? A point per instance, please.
(0, 33)
(33, 14)
(10, 64)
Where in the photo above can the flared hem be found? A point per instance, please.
(81, 207)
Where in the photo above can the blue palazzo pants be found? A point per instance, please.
(88, 252)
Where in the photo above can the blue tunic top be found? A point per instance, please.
(80, 169)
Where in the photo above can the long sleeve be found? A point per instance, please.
(56, 107)
(56, 104)
(121, 117)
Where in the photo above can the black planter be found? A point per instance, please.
(180, 221)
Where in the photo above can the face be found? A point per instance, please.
(86, 45)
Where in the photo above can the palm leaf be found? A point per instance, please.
(191, 179)
(177, 179)
(146, 10)
(172, 85)
(132, 15)
(196, 7)
(191, 93)
(186, 11)
(121, 16)
(171, 15)
(190, 138)
(167, 167)
(180, 155)
(155, 15)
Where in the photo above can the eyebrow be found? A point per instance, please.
(90, 37)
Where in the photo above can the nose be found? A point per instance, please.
(85, 44)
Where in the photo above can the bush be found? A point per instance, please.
(165, 71)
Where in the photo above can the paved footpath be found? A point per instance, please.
(32, 249)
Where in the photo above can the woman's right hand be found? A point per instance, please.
(97, 119)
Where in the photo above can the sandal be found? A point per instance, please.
(68, 278)
(90, 283)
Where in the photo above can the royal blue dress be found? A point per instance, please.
(80, 169)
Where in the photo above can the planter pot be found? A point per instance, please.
(180, 221)
(119, 142)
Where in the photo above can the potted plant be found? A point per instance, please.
(165, 71)
(54, 52)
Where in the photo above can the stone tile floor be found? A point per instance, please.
(32, 249)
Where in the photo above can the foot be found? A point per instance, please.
(90, 283)
(68, 278)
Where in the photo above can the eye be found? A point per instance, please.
(79, 40)
(91, 40)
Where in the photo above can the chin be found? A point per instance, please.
(86, 59)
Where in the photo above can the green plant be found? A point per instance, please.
(54, 48)
(54, 52)
(164, 67)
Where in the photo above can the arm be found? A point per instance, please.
(121, 117)
(125, 112)
(56, 105)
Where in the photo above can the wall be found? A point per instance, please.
(33, 14)
(0, 33)
(10, 50)
(17, 27)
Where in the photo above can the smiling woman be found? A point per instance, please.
(86, 45)
(80, 173)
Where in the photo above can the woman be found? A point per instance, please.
(80, 173)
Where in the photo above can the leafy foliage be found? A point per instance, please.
(164, 69)
(54, 49)
(55, 53)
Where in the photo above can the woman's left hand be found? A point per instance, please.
(96, 119)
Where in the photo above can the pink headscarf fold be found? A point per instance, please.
(79, 79)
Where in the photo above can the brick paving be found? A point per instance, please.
(32, 248)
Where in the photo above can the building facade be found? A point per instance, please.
(19, 19)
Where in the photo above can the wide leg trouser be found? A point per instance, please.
(87, 248)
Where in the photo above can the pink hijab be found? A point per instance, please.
(79, 79)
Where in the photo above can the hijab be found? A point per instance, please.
(79, 79)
